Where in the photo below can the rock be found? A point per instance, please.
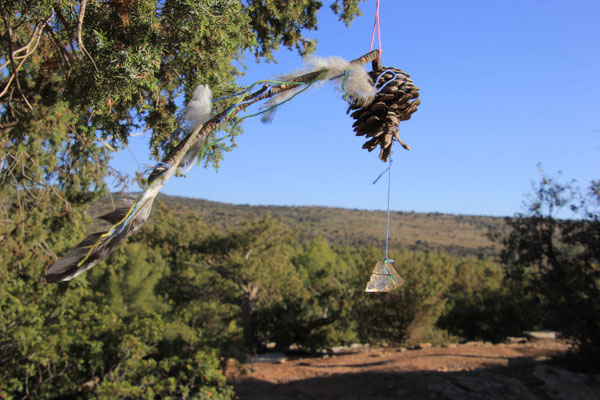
(519, 362)
(339, 349)
(542, 335)
(561, 384)
(479, 386)
(512, 339)
(425, 345)
(475, 343)
(267, 358)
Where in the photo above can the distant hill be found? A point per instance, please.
(455, 234)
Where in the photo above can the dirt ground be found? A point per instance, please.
(468, 371)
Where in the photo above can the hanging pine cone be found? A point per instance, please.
(395, 101)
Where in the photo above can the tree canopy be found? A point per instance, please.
(77, 79)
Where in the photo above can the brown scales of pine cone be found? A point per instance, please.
(396, 101)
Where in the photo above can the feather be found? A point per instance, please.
(198, 109)
(97, 246)
(195, 114)
(274, 102)
(191, 155)
(159, 170)
(115, 216)
(127, 220)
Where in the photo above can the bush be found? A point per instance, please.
(480, 306)
(558, 261)
(406, 315)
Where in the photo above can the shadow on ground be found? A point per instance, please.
(523, 378)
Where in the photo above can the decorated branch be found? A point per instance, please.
(380, 100)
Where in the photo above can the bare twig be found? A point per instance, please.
(11, 58)
(79, 29)
(14, 55)
(106, 144)
(46, 251)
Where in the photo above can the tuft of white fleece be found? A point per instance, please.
(334, 65)
(358, 86)
(198, 110)
(196, 113)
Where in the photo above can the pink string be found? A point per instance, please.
(376, 25)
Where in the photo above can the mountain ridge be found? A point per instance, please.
(455, 234)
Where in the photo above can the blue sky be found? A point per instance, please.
(505, 85)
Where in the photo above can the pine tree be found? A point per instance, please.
(77, 79)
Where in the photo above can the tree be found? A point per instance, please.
(557, 261)
(130, 279)
(331, 282)
(79, 73)
(407, 315)
(77, 79)
(481, 304)
(254, 263)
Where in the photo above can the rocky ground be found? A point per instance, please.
(521, 370)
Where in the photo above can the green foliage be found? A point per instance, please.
(408, 314)
(557, 261)
(318, 315)
(481, 305)
(76, 79)
(130, 279)
(59, 341)
(254, 262)
(283, 22)
(331, 281)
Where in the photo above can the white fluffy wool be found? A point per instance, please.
(198, 110)
(196, 113)
(358, 86)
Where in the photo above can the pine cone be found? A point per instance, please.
(395, 101)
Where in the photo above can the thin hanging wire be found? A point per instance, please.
(389, 191)
(387, 226)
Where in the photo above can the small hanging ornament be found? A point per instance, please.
(396, 99)
(384, 278)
